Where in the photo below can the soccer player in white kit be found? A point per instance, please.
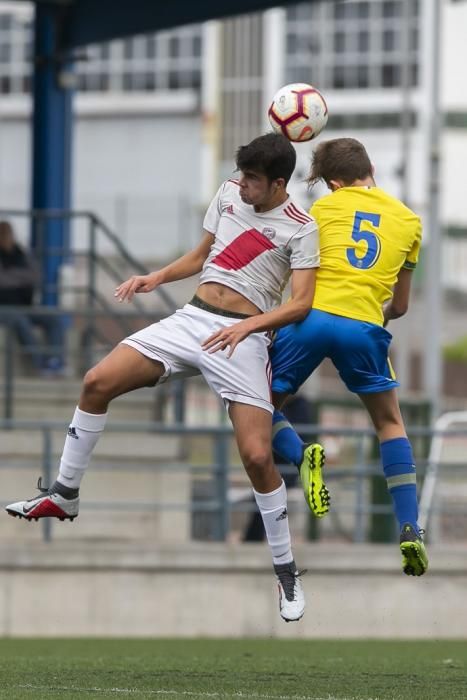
(255, 238)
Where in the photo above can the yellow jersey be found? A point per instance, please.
(366, 236)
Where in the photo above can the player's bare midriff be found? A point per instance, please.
(226, 298)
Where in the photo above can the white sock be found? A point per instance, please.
(84, 432)
(273, 509)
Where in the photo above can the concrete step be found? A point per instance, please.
(122, 446)
(55, 399)
(144, 504)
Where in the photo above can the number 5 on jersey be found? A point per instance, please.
(371, 239)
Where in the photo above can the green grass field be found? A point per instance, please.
(269, 669)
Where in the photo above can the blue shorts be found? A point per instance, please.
(358, 350)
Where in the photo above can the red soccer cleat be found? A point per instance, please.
(46, 505)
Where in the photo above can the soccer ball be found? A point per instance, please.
(298, 111)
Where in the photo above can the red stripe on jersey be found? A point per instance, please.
(300, 213)
(291, 214)
(245, 248)
(297, 213)
(236, 182)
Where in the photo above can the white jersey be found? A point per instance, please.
(254, 252)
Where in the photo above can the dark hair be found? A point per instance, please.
(6, 227)
(6, 232)
(272, 155)
(339, 159)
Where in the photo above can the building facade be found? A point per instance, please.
(159, 116)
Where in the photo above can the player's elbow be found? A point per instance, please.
(301, 311)
(399, 309)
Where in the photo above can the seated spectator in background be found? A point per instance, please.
(19, 279)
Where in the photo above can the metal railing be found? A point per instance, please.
(96, 231)
(357, 475)
(454, 266)
(229, 491)
(91, 306)
(442, 429)
(89, 343)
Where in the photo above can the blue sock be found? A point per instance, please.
(285, 441)
(399, 470)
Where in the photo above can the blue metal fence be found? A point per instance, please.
(350, 479)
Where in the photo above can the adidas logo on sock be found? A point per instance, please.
(282, 516)
(72, 432)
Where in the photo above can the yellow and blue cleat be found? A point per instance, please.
(414, 556)
(316, 494)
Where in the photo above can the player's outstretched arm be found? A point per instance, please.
(296, 308)
(399, 304)
(189, 264)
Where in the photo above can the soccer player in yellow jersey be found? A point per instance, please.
(369, 244)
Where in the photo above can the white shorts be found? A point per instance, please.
(176, 342)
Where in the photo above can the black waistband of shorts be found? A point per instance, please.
(196, 301)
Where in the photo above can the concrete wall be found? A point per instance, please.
(140, 173)
(221, 590)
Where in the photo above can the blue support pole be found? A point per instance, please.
(51, 132)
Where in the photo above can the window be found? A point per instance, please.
(174, 46)
(363, 9)
(15, 51)
(196, 50)
(346, 10)
(389, 40)
(174, 80)
(392, 8)
(128, 49)
(5, 85)
(168, 60)
(5, 22)
(359, 43)
(339, 77)
(151, 46)
(5, 53)
(363, 41)
(363, 77)
(390, 75)
(104, 52)
(339, 42)
(160, 61)
(292, 43)
(27, 51)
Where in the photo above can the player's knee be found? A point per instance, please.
(388, 424)
(387, 418)
(257, 459)
(94, 383)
